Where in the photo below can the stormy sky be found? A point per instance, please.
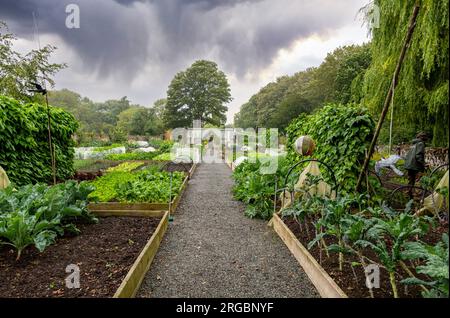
(134, 47)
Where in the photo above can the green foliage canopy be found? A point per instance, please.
(200, 92)
(337, 79)
(114, 119)
(421, 97)
(17, 71)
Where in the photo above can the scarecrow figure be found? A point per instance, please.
(415, 160)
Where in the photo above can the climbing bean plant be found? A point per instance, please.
(24, 150)
(342, 134)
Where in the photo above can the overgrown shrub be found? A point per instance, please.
(24, 150)
(342, 134)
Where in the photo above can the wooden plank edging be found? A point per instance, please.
(191, 172)
(132, 213)
(230, 165)
(176, 200)
(131, 283)
(120, 206)
(324, 284)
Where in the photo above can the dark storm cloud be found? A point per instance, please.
(108, 35)
(120, 37)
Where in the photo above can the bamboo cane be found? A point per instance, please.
(412, 25)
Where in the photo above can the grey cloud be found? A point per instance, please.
(120, 37)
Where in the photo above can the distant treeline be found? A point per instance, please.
(362, 75)
(112, 119)
(338, 79)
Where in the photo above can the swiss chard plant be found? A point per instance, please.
(37, 214)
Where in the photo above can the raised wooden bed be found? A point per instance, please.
(230, 165)
(114, 259)
(132, 281)
(191, 172)
(115, 208)
(324, 284)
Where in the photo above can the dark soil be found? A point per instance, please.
(99, 165)
(353, 286)
(87, 176)
(182, 167)
(104, 253)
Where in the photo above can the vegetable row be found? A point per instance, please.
(148, 185)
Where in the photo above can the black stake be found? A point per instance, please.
(39, 89)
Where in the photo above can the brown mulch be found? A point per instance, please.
(104, 253)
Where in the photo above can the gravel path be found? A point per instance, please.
(212, 250)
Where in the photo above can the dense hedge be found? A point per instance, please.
(24, 150)
(342, 134)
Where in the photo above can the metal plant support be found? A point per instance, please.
(423, 192)
(335, 186)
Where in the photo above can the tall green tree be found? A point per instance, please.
(421, 96)
(17, 70)
(110, 110)
(200, 92)
(158, 108)
(138, 120)
(336, 80)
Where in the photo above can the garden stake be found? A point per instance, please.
(354, 274)
(408, 271)
(275, 200)
(319, 244)
(325, 246)
(170, 196)
(43, 91)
